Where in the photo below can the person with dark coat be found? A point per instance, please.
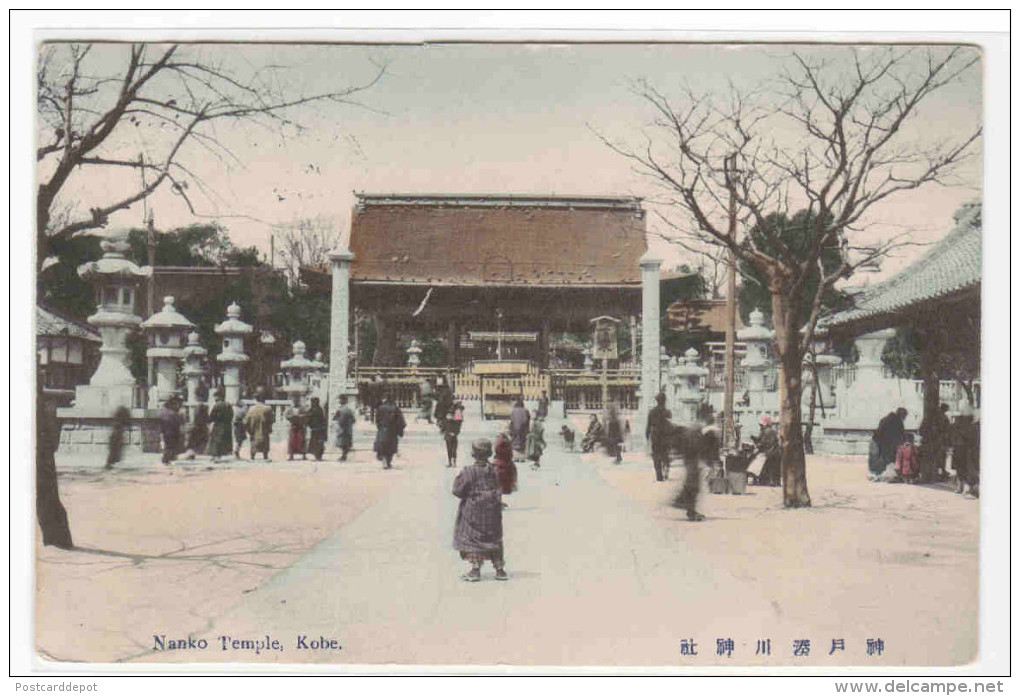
(966, 437)
(170, 422)
(936, 434)
(221, 441)
(478, 532)
(503, 464)
(520, 422)
(444, 404)
(594, 434)
(390, 424)
(344, 419)
(297, 418)
(198, 437)
(614, 434)
(887, 439)
(121, 422)
(658, 433)
(451, 433)
(316, 419)
(768, 444)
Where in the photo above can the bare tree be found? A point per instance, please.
(153, 109)
(830, 137)
(306, 242)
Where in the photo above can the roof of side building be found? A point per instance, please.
(951, 266)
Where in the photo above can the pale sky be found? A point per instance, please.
(487, 118)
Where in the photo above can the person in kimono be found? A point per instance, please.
(259, 424)
(344, 420)
(221, 440)
(478, 531)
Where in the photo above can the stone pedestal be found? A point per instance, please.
(194, 371)
(233, 331)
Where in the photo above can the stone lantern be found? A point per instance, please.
(166, 332)
(295, 372)
(756, 363)
(687, 394)
(233, 331)
(87, 425)
(194, 370)
(115, 280)
(318, 377)
(414, 354)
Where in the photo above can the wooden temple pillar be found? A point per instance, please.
(453, 343)
(385, 341)
(930, 450)
(543, 345)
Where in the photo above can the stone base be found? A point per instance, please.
(84, 433)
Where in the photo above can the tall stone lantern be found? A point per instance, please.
(295, 372)
(687, 394)
(756, 361)
(115, 280)
(86, 426)
(166, 331)
(233, 331)
(194, 370)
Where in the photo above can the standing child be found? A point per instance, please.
(478, 533)
(907, 463)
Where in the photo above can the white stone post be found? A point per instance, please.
(233, 331)
(339, 329)
(650, 381)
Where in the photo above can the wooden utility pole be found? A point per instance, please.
(150, 297)
(729, 431)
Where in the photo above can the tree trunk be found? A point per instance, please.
(928, 453)
(49, 511)
(795, 491)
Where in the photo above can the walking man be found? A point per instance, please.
(657, 433)
(344, 419)
(259, 424)
(390, 424)
(316, 429)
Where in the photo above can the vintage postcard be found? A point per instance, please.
(521, 355)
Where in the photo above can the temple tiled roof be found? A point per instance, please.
(497, 240)
(50, 323)
(951, 266)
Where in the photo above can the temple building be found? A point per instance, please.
(492, 277)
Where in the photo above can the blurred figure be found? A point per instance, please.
(451, 433)
(344, 420)
(536, 441)
(170, 422)
(520, 422)
(614, 433)
(121, 422)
